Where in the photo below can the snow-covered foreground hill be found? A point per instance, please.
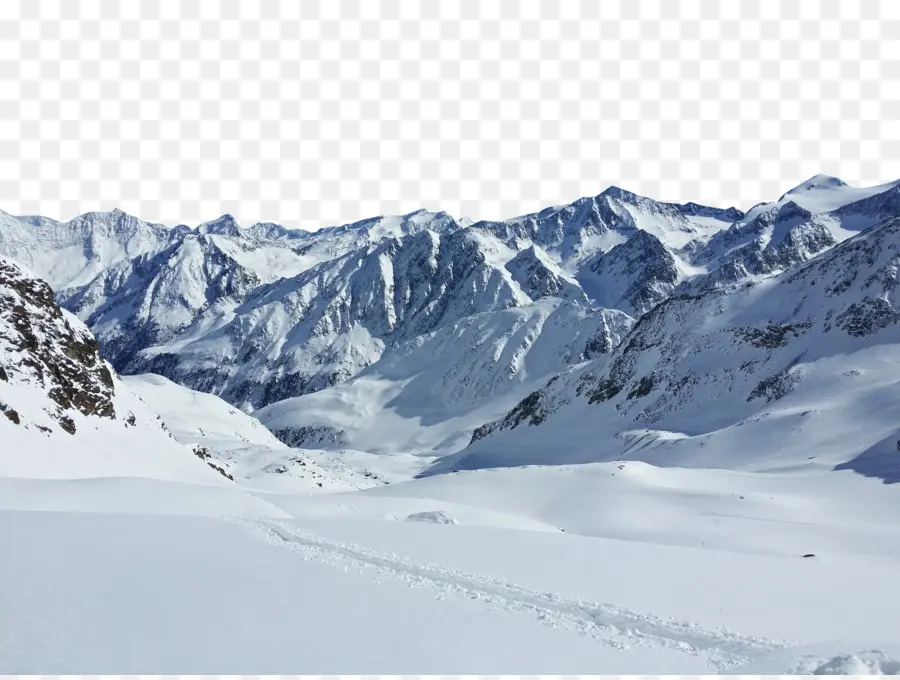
(141, 576)
(241, 445)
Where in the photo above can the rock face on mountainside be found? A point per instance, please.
(540, 277)
(42, 345)
(771, 242)
(633, 276)
(260, 314)
(63, 412)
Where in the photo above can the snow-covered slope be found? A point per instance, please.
(65, 413)
(540, 277)
(429, 394)
(773, 237)
(574, 232)
(240, 444)
(823, 194)
(497, 591)
(794, 373)
(633, 276)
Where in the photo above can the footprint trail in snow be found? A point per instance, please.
(608, 624)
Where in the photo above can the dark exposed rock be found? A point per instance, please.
(599, 344)
(48, 350)
(604, 390)
(10, 413)
(867, 316)
(531, 410)
(774, 387)
(204, 454)
(772, 336)
(66, 423)
(309, 436)
(643, 387)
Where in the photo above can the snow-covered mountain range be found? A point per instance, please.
(408, 334)
(796, 371)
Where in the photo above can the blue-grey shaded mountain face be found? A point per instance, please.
(262, 313)
(761, 360)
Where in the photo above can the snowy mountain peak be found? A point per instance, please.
(225, 225)
(817, 182)
(612, 191)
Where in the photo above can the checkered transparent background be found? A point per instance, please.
(325, 111)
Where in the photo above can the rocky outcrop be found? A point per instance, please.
(539, 277)
(633, 276)
(310, 436)
(40, 344)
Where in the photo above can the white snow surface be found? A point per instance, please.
(145, 577)
(241, 444)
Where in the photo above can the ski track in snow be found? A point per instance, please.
(608, 624)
